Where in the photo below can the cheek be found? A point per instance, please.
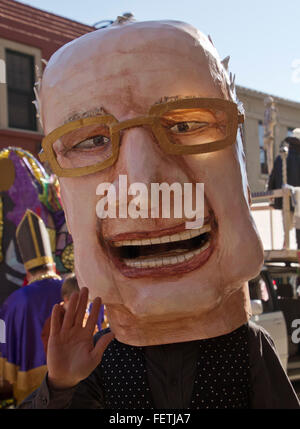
(223, 177)
(79, 202)
(92, 266)
(239, 247)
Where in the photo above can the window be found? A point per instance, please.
(20, 81)
(262, 152)
(289, 132)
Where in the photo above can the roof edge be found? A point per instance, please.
(247, 91)
(53, 14)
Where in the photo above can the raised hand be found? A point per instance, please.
(71, 355)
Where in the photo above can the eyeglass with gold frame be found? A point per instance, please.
(153, 119)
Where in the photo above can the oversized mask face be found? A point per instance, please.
(160, 281)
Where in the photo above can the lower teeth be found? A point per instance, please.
(165, 260)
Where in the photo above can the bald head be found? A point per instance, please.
(118, 65)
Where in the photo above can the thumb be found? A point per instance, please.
(101, 346)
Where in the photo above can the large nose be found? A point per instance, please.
(142, 159)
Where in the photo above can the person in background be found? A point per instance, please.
(293, 174)
(69, 286)
(26, 309)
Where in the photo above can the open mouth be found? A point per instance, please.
(172, 253)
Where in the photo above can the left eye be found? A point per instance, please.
(93, 142)
(185, 127)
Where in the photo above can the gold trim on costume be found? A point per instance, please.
(37, 262)
(7, 174)
(24, 154)
(1, 368)
(9, 371)
(52, 238)
(67, 257)
(32, 377)
(45, 276)
(24, 382)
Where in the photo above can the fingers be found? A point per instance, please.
(100, 347)
(81, 307)
(70, 312)
(57, 317)
(94, 314)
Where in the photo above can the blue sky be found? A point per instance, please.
(261, 36)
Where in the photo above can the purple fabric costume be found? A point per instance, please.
(24, 313)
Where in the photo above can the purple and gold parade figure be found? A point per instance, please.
(24, 184)
(25, 311)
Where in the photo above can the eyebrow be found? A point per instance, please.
(97, 111)
(174, 98)
(100, 111)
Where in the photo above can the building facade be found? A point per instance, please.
(288, 118)
(28, 35)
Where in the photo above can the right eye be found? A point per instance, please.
(185, 127)
(93, 142)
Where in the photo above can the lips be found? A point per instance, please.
(160, 253)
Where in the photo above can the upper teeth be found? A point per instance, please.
(184, 235)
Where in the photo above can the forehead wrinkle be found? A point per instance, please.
(165, 99)
(97, 111)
